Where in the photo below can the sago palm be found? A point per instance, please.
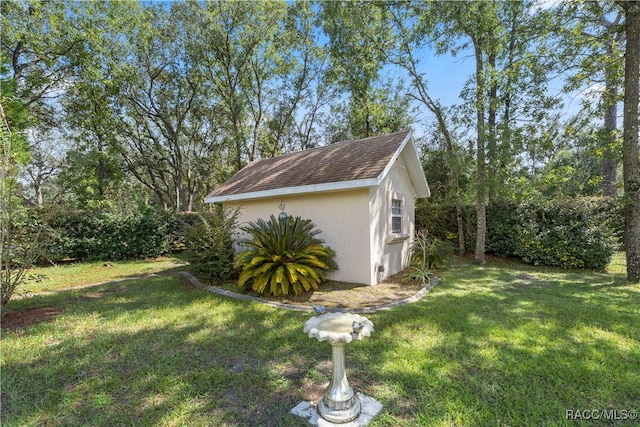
(283, 255)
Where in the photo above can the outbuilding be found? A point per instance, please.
(361, 194)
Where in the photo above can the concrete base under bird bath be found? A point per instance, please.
(369, 408)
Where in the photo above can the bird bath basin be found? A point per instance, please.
(339, 404)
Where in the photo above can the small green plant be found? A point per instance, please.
(428, 254)
(209, 245)
(283, 255)
(419, 273)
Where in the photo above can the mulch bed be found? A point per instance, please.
(21, 319)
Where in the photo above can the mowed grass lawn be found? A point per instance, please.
(500, 345)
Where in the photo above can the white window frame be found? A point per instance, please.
(396, 204)
(395, 235)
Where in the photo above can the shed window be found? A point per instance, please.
(396, 216)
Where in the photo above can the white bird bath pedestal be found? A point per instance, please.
(340, 405)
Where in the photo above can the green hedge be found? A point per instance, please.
(565, 234)
(575, 233)
(96, 235)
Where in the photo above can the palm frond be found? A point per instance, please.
(283, 255)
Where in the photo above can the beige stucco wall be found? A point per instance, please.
(343, 217)
(355, 223)
(391, 252)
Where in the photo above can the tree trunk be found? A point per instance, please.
(631, 163)
(453, 177)
(453, 174)
(492, 134)
(609, 161)
(481, 204)
(435, 108)
(39, 197)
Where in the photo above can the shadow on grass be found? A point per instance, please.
(157, 351)
(487, 346)
(496, 348)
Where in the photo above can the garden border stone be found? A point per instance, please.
(294, 307)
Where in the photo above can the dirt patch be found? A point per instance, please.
(31, 316)
(103, 293)
(353, 295)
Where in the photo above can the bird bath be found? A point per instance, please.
(339, 404)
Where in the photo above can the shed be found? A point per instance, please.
(360, 194)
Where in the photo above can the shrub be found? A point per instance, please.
(283, 255)
(23, 239)
(503, 222)
(573, 233)
(208, 241)
(180, 223)
(431, 252)
(428, 254)
(563, 234)
(440, 219)
(99, 235)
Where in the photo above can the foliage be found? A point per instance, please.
(440, 219)
(209, 244)
(24, 241)
(418, 273)
(103, 235)
(562, 234)
(374, 106)
(431, 252)
(178, 97)
(20, 236)
(428, 254)
(573, 233)
(283, 256)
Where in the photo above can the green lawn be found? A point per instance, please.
(501, 345)
(47, 279)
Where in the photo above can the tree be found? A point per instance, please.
(480, 24)
(37, 43)
(93, 168)
(19, 248)
(239, 57)
(630, 159)
(572, 169)
(358, 39)
(45, 162)
(506, 96)
(591, 41)
(38, 39)
(168, 133)
(408, 34)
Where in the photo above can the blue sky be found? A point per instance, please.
(447, 75)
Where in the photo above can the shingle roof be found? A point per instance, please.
(346, 161)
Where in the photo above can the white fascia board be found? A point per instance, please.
(289, 191)
(416, 173)
(395, 156)
(414, 167)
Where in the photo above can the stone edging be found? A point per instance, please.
(293, 307)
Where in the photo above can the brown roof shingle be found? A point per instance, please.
(345, 161)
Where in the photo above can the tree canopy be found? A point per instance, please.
(168, 103)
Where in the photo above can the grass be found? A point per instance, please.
(504, 344)
(53, 278)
